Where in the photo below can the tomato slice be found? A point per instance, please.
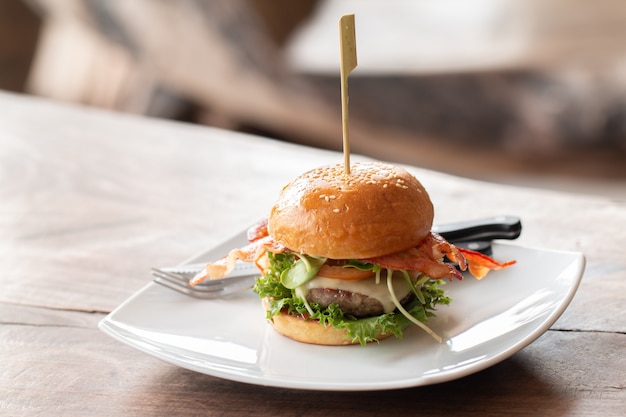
(347, 273)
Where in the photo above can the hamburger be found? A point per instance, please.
(349, 258)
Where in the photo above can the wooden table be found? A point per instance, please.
(91, 200)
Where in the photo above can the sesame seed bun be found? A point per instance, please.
(376, 210)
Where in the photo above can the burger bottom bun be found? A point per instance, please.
(311, 331)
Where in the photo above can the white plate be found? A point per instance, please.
(487, 322)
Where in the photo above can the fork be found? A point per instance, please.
(242, 278)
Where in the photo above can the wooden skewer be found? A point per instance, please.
(347, 38)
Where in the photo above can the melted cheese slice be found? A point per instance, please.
(367, 287)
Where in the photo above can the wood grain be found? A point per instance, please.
(90, 200)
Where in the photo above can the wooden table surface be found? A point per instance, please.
(91, 200)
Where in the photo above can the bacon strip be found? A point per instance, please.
(428, 255)
(436, 247)
(252, 252)
(258, 231)
(414, 259)
(480, 264)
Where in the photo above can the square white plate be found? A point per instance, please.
(487, 322)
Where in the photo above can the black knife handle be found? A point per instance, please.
(482, 246)
(498, 227)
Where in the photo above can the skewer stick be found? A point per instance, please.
(348, 63)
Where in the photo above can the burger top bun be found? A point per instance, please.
(376, 210)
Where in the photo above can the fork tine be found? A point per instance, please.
(171, 276)
(182, 281)
(181, 289)
(212, 289)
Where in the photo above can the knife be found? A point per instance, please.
(490, 228)
(478, 234)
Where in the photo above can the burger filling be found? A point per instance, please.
(368, 297)
(381, 301)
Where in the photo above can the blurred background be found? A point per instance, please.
(529, 92)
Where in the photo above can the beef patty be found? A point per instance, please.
(355, 304)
